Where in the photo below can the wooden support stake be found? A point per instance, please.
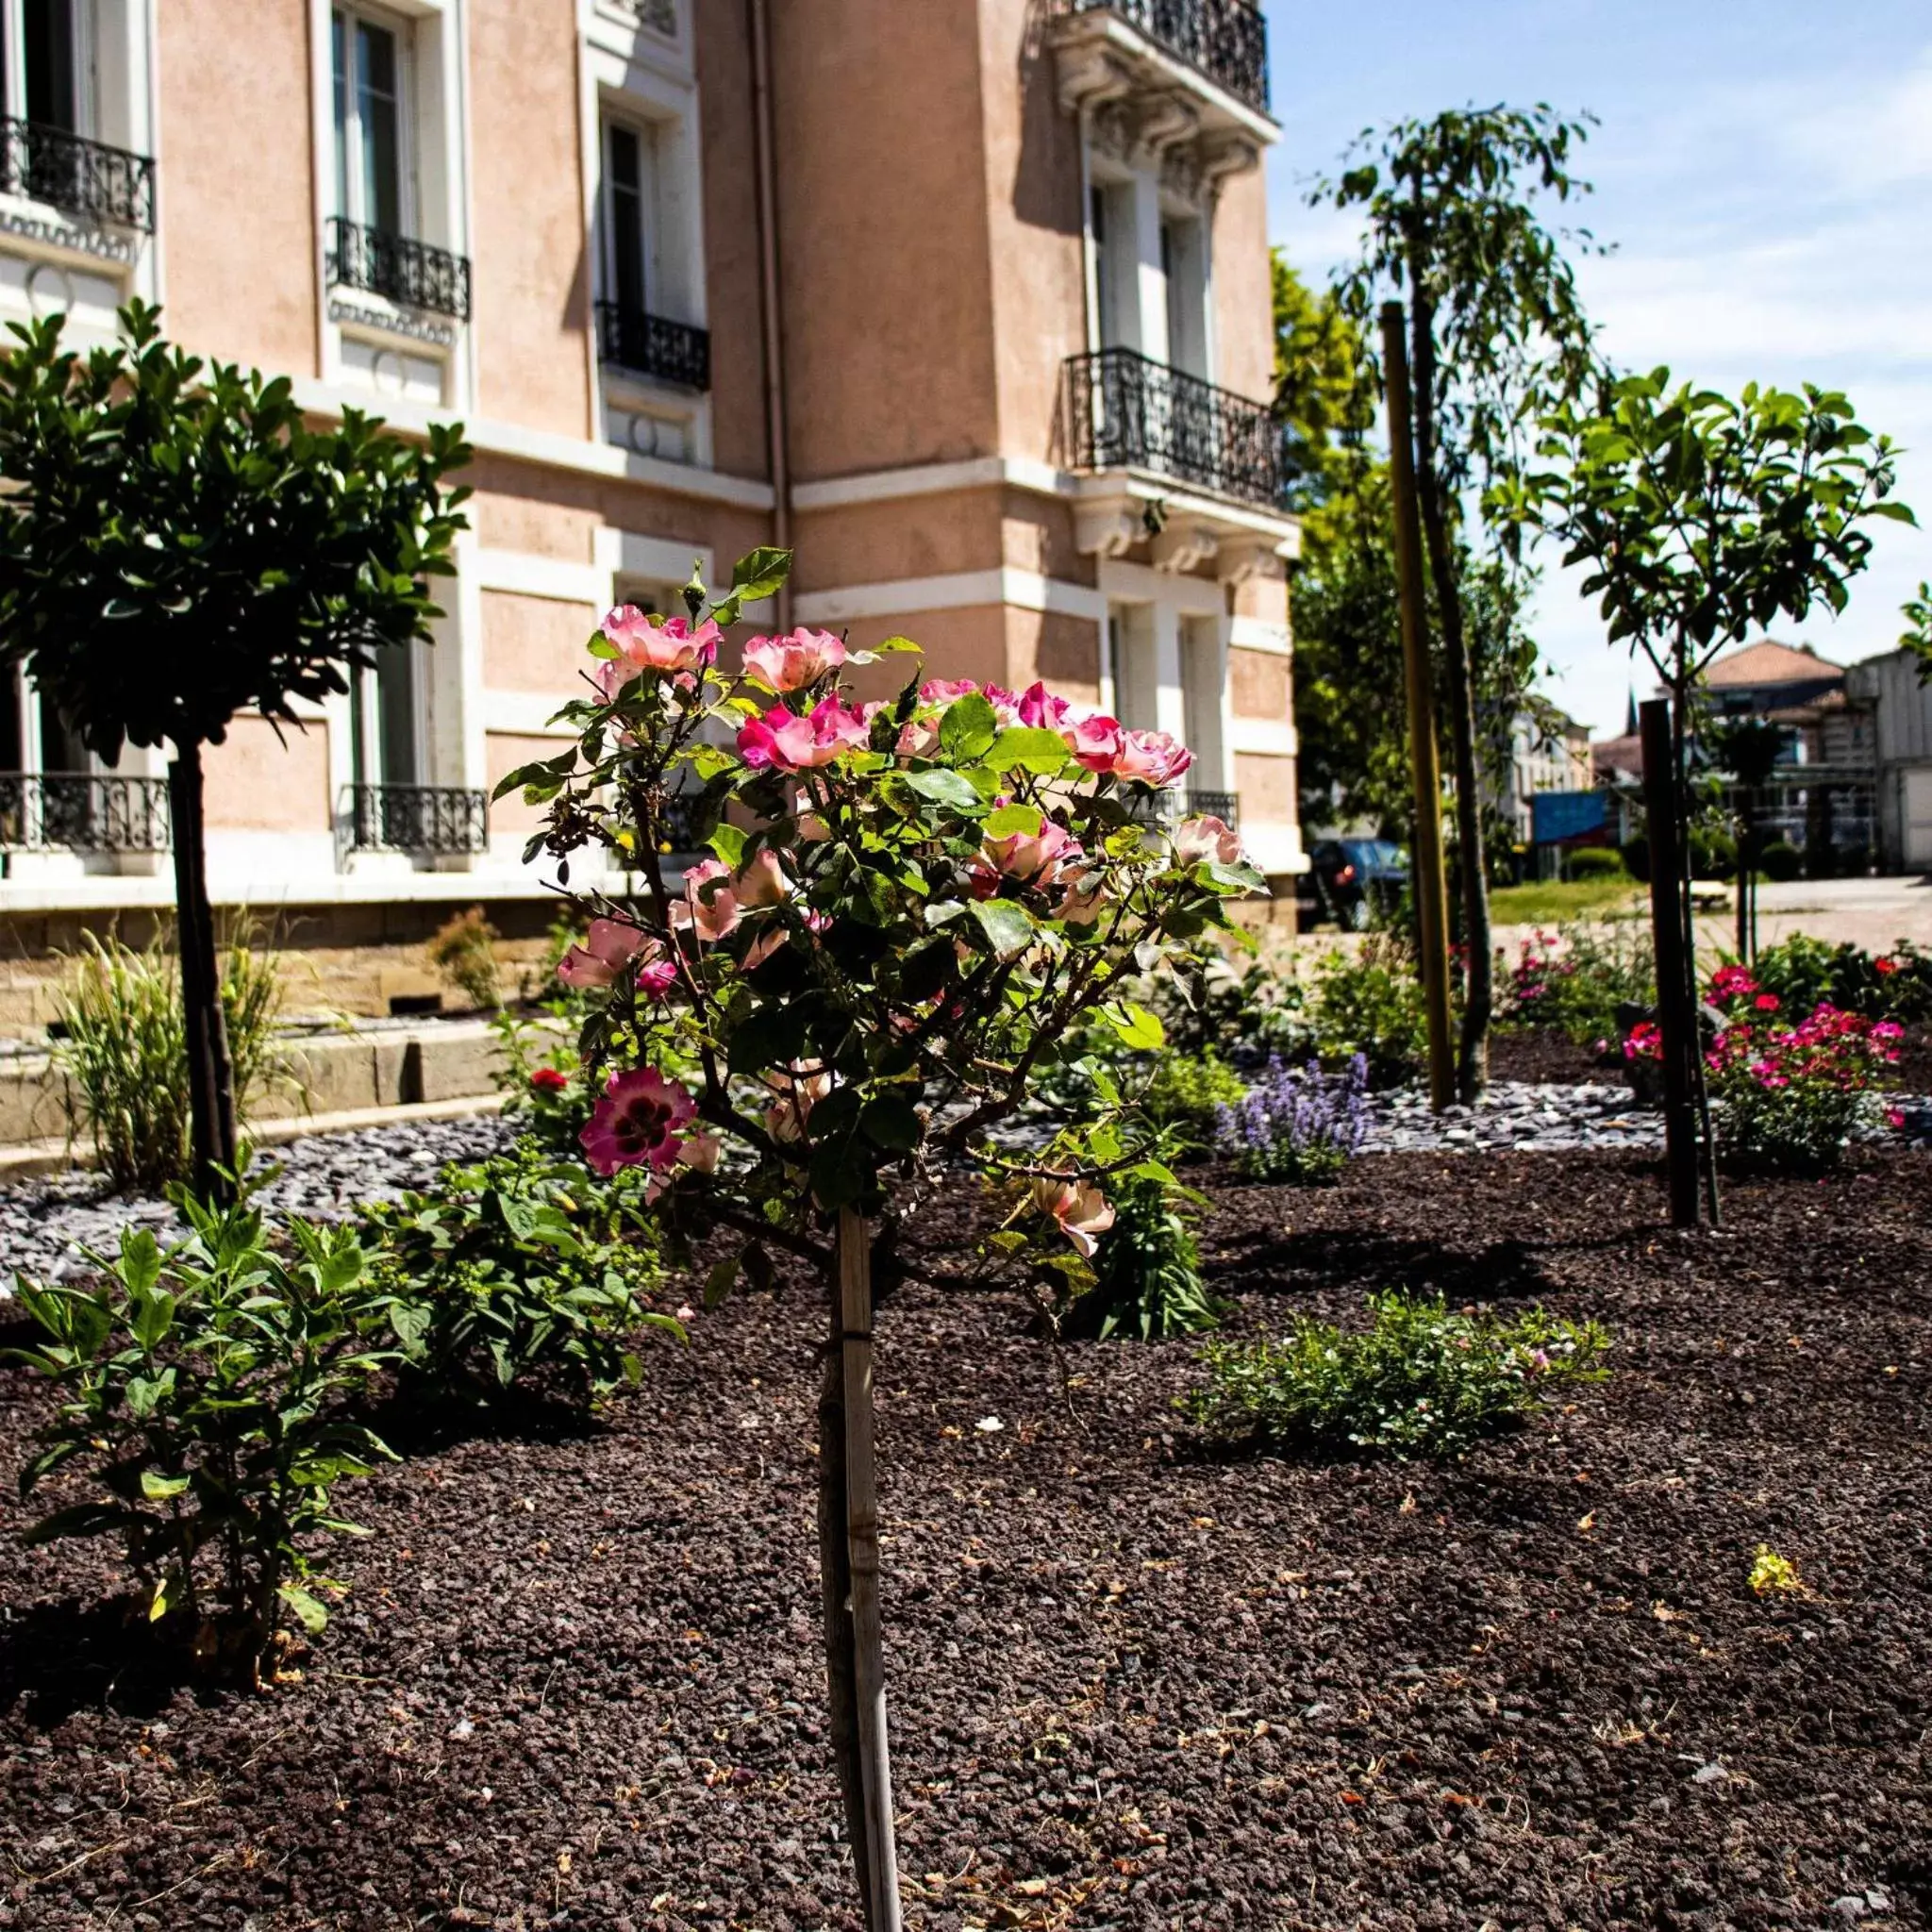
(1676, 1003)
(881, 1877)
(1431, 889)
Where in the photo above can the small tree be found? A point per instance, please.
(177, 546)
(1497, 335)
(1701, 516)
(909, 910)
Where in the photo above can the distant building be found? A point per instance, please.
(1899, 701)
(1822, 795)
(1548, 752)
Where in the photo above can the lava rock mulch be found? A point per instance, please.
(1138, 1682)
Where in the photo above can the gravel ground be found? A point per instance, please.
(1137, 1683)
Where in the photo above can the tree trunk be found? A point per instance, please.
(1676, 1009)
(1700, 1084)
(210, 1074)
(849, 1562)
(1473, 1070)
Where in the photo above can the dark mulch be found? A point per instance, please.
(1540, 1054)
(1137, 1682)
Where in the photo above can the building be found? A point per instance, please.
(1893, 687)
(989, 340)
(1822, 793)
(1548, 752)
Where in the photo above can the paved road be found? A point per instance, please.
(1872, 913)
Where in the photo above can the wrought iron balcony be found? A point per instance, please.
(83, 811)
(1127, 412)
(1225, 39)
(1182, 802)
(412, 274)
(79, 177)
(427, 818)
(1224, 806)
(672, 352)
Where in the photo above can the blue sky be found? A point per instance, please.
(1764, 169)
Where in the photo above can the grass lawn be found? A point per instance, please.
(1549, 902)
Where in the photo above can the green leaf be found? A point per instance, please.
(890, 1121)
(80, 1519)
(1028, 748)
(759, 573)
(721, 1280)
(158, 1488)
(945, 788)
(967, 729)
(898, 643)
(771, 1034)
(140, 1260)
(1008, 929)
(839, 1174)
(728, 842)
(154, 1315)
(1140, 1030)
(1025, 820)
(313, 1614)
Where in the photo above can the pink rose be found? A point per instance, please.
(763, 882)
(1094, 739)
(700, 1153)
(636, 1122)
(667, 649)
(785, 741)
(1195, 839)
(1035, 858)
(792, 662)
(710, 904)
(1150, 758)
(798, 1093)
(1042, 710)
(1083, 1212)
(1086, 900)
(942, 691)
(656, 970)
(608, 947)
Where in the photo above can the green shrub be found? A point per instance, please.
(463, 951)
(1576, 978)
(1370, 1005)
(198, 1390)
(1147, 1269)
(1420, 1381)
(1713, 853)
(123, 1049)
(1780, 862)
(1594, 862)
(515, 1269)
(1806, 972)
(1186, 1093)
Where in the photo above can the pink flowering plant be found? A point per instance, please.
(904, 914)
(1791, 1092)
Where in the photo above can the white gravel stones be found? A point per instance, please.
(1513, 1113)
(46, 1224)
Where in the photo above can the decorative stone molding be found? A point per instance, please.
(1245, 557)
(1107, 528)
(1089, 76)
(1182, 546)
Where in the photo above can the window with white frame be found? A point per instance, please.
(375, 178)
(640, 329)
(630, 180)
(46, 47)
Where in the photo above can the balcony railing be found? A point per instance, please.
(82, 811)
(1224, 806)
(1182, 802)
(429, 819)
(672, 352)
(1226, 40)
(1127, 412)
(79, 176)
(412, 274)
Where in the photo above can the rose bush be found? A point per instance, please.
(906, 914)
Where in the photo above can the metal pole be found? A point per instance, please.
(1676, 1009)
(1431, 890)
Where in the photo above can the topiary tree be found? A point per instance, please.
(177, 545)
(1700, 517)
(906, 912)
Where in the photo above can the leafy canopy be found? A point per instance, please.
(1701, 516)
(178, 544)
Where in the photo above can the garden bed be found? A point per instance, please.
(1138, 1681)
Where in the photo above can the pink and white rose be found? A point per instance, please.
(710, 901)
(1082, 1211)
(1151, 758)
(783, 740)
(1207, 838)
(795, 661)
(667, 648)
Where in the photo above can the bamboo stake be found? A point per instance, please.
(1431, 895)
(881, 1878)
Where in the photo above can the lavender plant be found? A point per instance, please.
(1299, 1125)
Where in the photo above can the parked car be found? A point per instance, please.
(1357, 879)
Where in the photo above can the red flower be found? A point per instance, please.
(1886, 966)
(1767, 1002)
(548, 1080)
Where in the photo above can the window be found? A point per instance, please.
(373, 177)
(45, 63)
(384, 738)
(627, 175)
(1116, 275)
(1183, 266)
